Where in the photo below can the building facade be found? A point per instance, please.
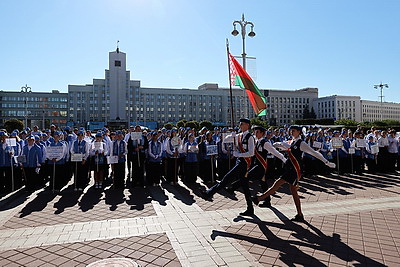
(37, 108)
(119, 101)
(338, 107)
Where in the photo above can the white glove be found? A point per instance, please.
(235, 154)
(37, 170)
(330, 164)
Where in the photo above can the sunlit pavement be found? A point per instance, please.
(350, 221)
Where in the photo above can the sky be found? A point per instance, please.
(341, 47)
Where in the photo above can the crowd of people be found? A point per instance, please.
(140, 158)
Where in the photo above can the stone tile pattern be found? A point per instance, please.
(149, 250)
(70, 207)
(364, 239)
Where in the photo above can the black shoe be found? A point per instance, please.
(247, 213)
(255, 200)
(265, 204)
(298, 218)
(205, 195)
(230, 190)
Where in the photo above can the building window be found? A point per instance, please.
(117, 63)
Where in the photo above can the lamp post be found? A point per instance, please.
(242, 23)
(381, 86)
(26, 89)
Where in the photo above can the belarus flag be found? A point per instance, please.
(241, 78)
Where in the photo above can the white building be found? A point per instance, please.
(338, 107)
(376, 111)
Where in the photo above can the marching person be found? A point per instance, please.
(292, 168)
(245, 144)
(80, 146)
(120, 149)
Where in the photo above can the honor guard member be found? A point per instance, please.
(31, 166)
(191, 150)
(393, 145)
(57, 170)
(120, 149)
(80, 146)
(97, 152)
(292, 168)
(155, 154)
(225, 156)
(259, 167)
(245, 144)
(6, 157)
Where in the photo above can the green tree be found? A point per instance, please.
(346, 122)
(13, 124)
(259, 122)
(193, 124)
(168, 126)
(207, 124)
(312, 114)
(306, 112)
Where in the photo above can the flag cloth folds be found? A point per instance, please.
(241, 78)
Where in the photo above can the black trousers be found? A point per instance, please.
(119, 175)
(191, 171)
(5, 179)
(236, 173)
(153, 173)
(138, 169)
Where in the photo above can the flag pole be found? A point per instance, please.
(230, 85)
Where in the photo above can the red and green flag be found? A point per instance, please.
(241, 78)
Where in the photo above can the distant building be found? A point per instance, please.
(41, 108)
(338, 107)
(118, 101)
(287, 106)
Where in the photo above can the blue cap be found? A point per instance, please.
(81, 132)
(16, 130)
(190, 135)
(23, 132)
(44, 135)
(14, 133)
(104, 129)
(2, 133)
(47, 131)
(67, 128)
(99, 134)
(174, 130)
(245, 120)
(81, 129)
(36, 137)
(119, 132)
(27, 129)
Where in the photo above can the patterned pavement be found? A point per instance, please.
(350, 221)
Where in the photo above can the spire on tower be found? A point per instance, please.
(117, 46)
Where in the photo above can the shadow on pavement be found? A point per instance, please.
(138, 198)
(290, 250)
(114, 197)
(69, 198)
(180, 193)
(157, 194)
(38, 204)
(90, 199)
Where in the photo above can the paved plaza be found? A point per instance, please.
(350, 221)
